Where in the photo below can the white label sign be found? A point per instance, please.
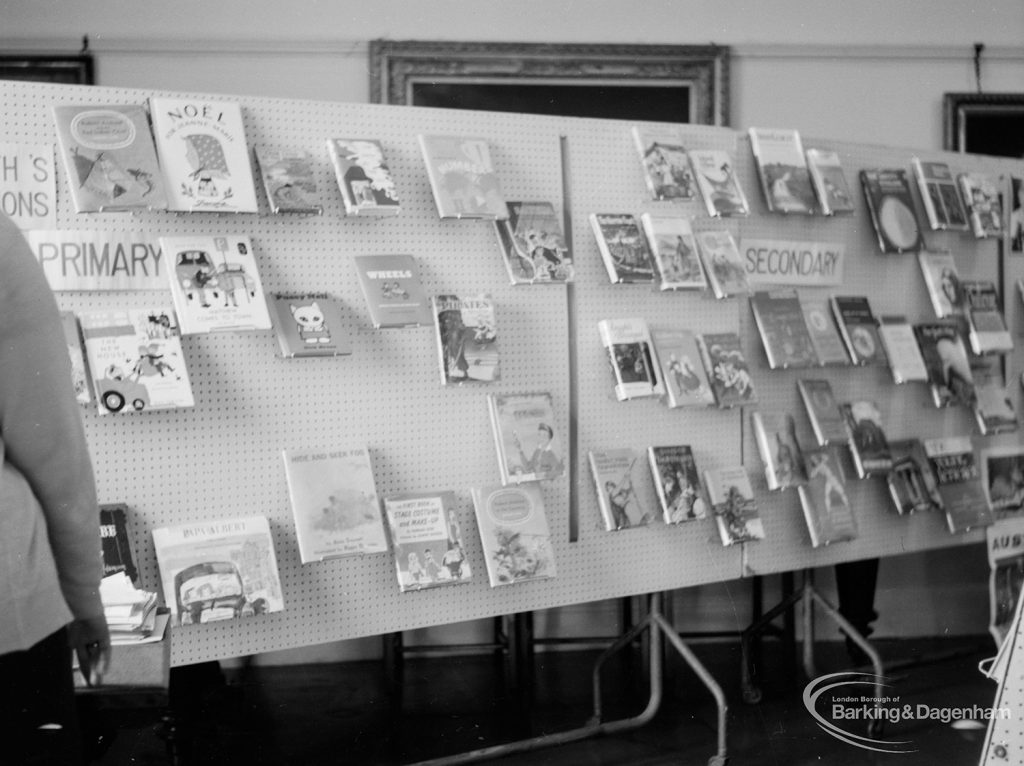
(781, 262)
(99, 260)
(28, 187)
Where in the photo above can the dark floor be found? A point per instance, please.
(343, 713)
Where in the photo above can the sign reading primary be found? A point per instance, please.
(99, 260)
(780, 262)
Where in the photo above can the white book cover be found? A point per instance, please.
(514, 533)
(630, 352)
(426, 540)
(901, 349)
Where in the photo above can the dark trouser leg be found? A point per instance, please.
(855, 586)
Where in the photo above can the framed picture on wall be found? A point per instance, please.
(68, 70)
(984, 123)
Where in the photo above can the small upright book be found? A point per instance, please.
(204, 155)
(939, 195)
(715, 172)
(529, 448)
(677, 482)
(289, 179)
(514, 533)
(115, 542)
(630, 351)
(987, 331)
(949, 368)
(901, 349)
(1002, 477)
(666, 165)
(532, 245)
(364, 178)
(109, 158)
(858, 328)
(782, 170)
(76, 353)
(682, 369)
(783, 329)
(334, 502)
(824, 501)
(616, 473)
(868, 443)
(993, 407)
(775, 433)
(674, 252)
(828, 344)
(426, 540)
(733, 505)
(393, 290)
(727, 369)
(623, 248)
(722, 263)
(943, 282)
(823, 411)
(981, 192)
(462, 177)
(912, 484)
(467, 339)
(956, 471)
(891, 206)
(826, 169)
(309, 324)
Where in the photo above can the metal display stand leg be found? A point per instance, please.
(659, 628)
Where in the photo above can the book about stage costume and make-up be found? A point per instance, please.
(532, 246)
(993, 405)
(891, 207)
(514, 533)
(782, 170)
(426, 540)
(467, 339)
(939, 195)
(987, 331)
(665, 163)
(630, 351)
(364, 178)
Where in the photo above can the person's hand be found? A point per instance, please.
(90, 639)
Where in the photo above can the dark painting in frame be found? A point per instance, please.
(666, 83)
(66, 70)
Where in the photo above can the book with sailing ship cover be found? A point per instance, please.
(109, 158)
(775, 433)
(514, 533)
(528, 447)
(616, 473)
(682, 368)
(891, 207)
(426, 540)
(956, 471)
(715, 172)
(364, 178)
(981, 193)
(393, 290)
(939, 195)
(722, 263)
(782, 170)
(780, 321)
(943, 282)
(733, 505)
(858, 328)
(828, 345)
(462, 177)
(869, 445)
(674, 252)
(949, 369)
(467, 339)
(987, 331)
(727, 369)
(630, 352)
(623, 248)
(823, 411)
(912, 484)
(830, 186)
(901, 349)
(823, 499)
(532, 245)
(309, 324)
(677, 482)
(289, 179)
(666, 165)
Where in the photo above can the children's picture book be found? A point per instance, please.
(514, 533)
(901, 349)
(115, 542)
(775, 434)
(309, 324)
(722, 263)
(829, 180)
(733, 505)
(426, 540)
(532, 245)
(204, 155)
(869, 445)
(528, 446)
(623, 248)
(949, 369)
(912, 483)
(674, 252)
(334, 502)
(677, 482)
(858, 329)
(823, 499)
(665, 163)
(221, 569)
(780, 321)
(463, 177)
(289, 179)
(993, 406)
(215, 283)
(136, 360)
(109, 157)
(727, 369)
(943, 282)
(981, 193)
(987, 330)
(467, 338)
(364, 178)
(715, 173)
(891, 207)
(782, 170)
(821, 325)
(393, 290)
(630, 352)
(823, 411)
(617, 473)
(953, 461)
(1002, 476)
(682, 368)
(76, 353)
(940, 195)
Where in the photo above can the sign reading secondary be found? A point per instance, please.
(99, 260)
(781, 262)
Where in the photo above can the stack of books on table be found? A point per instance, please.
(132, 614)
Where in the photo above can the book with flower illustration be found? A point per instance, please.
(514, 533)
(666, 165)
(334, 502)
(426, 540)
(289, 179)
(782, 170)
(462, 176)
(367, 187)
(467, 338)
(733, 504)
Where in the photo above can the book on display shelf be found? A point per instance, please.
(828, 345)
(630, 351)
(76, 353)
(782, 170)
(901, 349)
(334, 502)
(309, 324)
(722, 263)
(733, 505)
(682, 369)
(623, 248)
(674, 252)
(528, 446)
(727, 368)
(775, 434)
(949, 369)
(940, 195)
(993, 407)
(426, 540)
(715, 172)
(289, 180)
(364, 178)
(858, 329)
(393, 290)
(115, 543)
(987, 331)
(823, 411)
(666, 166)
(891, 208)
(467, 339)
(1005, 543)
(109, 158)
(981, 193)
(830, 185)
(462, 177)
(1002, 477)
(616, 474)
(514, 533)
(869, 445)
(532, 246)
(677, 482)
(780, 321)
(203, 154)
(912, 483)
(823, 499)
(959, 480)
(943, 282)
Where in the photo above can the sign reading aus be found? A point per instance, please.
(99, 260)
(804, 264)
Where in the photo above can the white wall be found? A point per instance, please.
(871, 71)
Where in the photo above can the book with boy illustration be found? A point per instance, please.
(528, 446)
(426, 540)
